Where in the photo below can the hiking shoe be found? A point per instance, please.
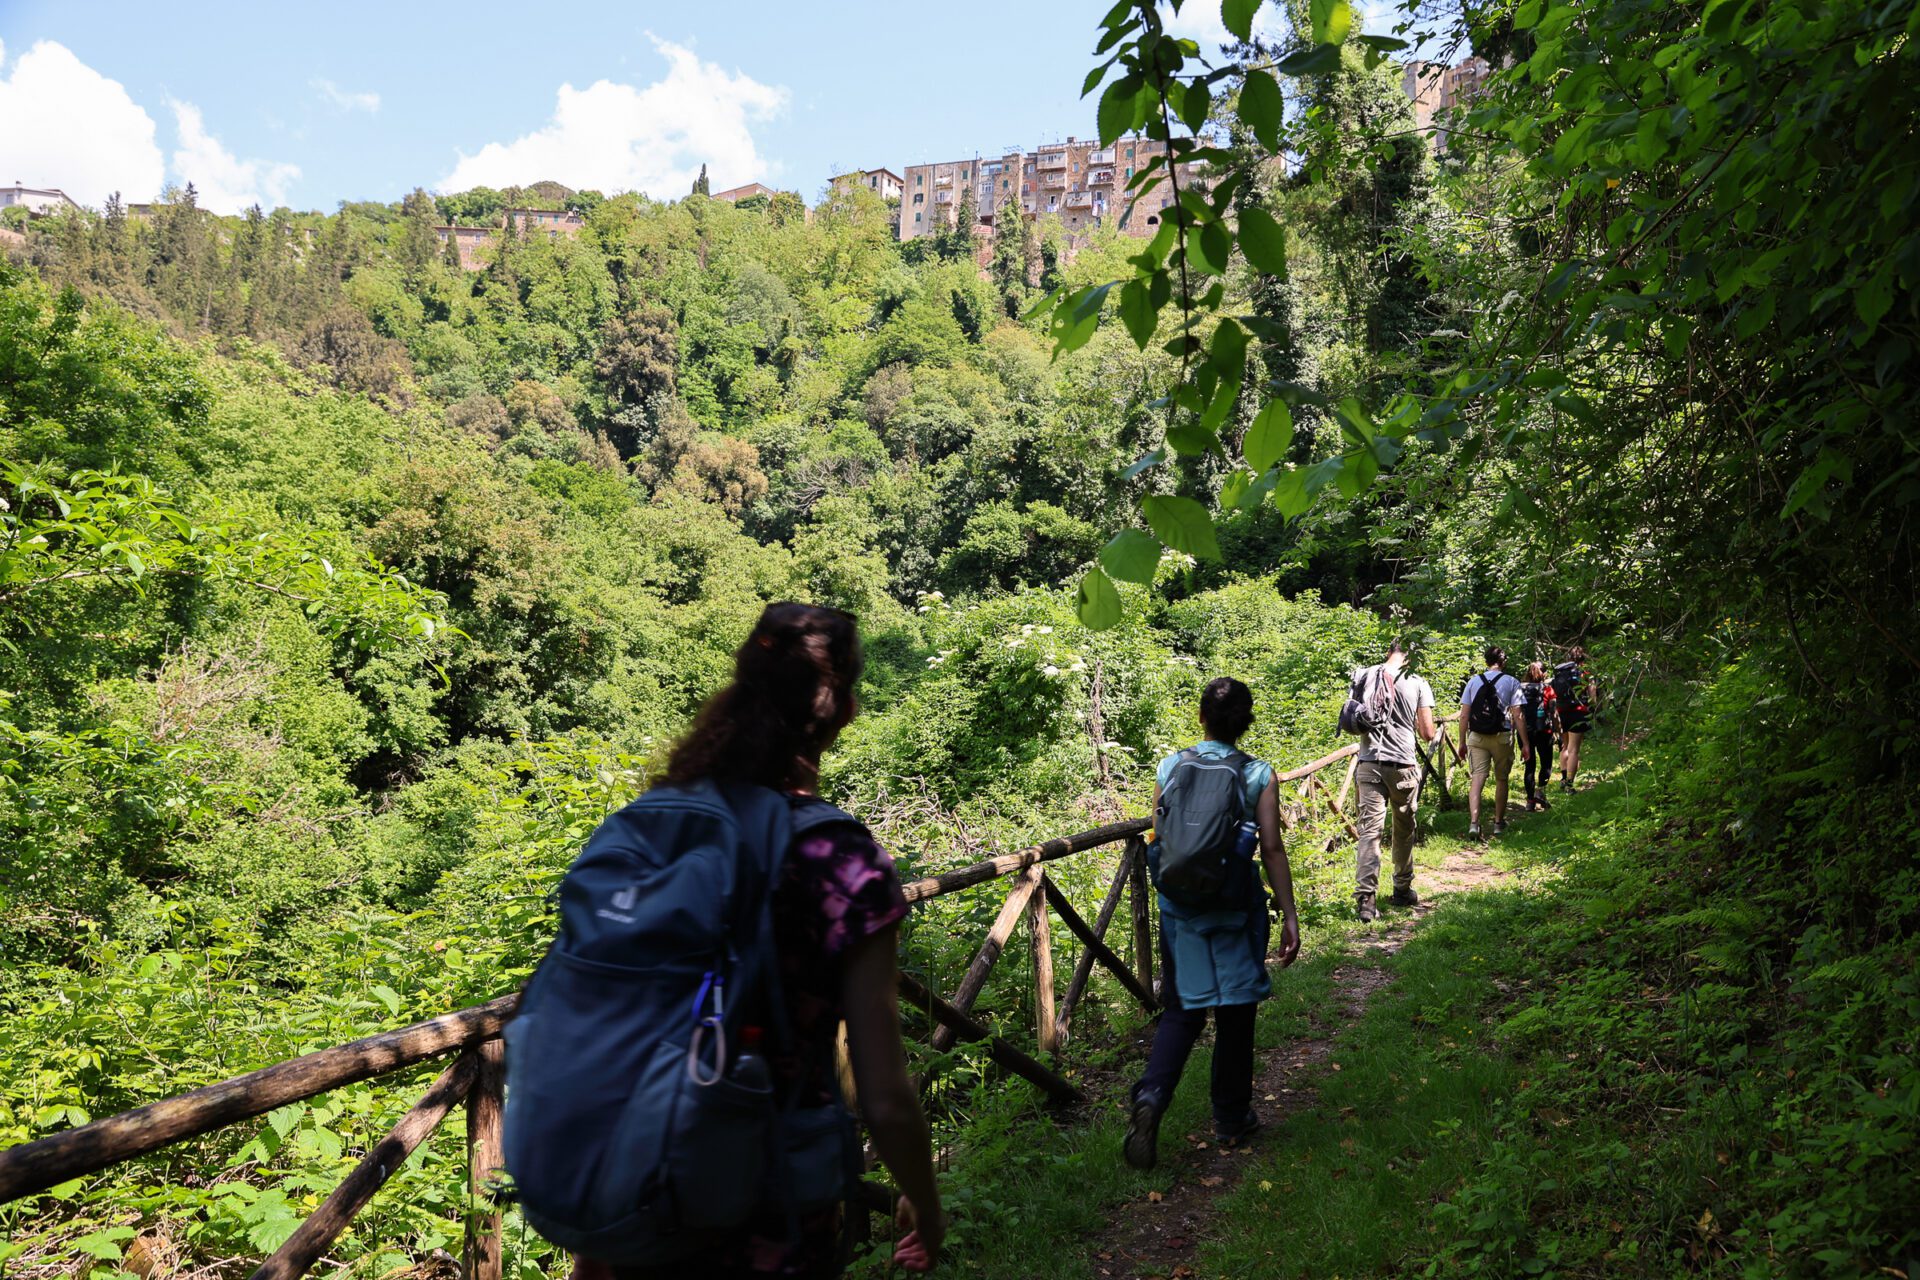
(1364, 908)
(1405, 897)
(1499, 826)
(1566, 785)
(1473, 831)
(1143, 1130)
(1543, 802)
(1230, 1136)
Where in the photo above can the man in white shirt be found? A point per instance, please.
(1388, 774)
(1492, 710)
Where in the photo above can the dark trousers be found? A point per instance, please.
(1540, 765)
(1179, 1030)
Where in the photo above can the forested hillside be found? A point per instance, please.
(344, 590)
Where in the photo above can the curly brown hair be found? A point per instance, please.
(791, 695)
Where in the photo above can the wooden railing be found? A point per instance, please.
(474, 1079)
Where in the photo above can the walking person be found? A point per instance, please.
(1492, 710)
(642, 1091)
(1543, 726)
(1213, 806)
(1387, 705)
(1578, 693)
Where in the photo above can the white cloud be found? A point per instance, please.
(222, 182)
(1199, 21)
(616, 137)
(63, 124)
(346, 99)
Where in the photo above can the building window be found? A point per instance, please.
(1129, 156)
(919, 179)
(919, 198)
(1151, 219)
(916, 218)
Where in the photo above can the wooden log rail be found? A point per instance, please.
(475, 1078)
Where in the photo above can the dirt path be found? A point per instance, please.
(1156, 1239)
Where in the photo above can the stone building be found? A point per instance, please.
(555, 223)
(884, 183)
(1436, 89)
(1078, 181)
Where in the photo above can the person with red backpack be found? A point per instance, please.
(673, 1105)
(1578, 693)
(1214, 809)
(1543, 726)
(1491, 709)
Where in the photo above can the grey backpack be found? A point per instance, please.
(1197, 862)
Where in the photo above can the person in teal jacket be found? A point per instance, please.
(1217, 959)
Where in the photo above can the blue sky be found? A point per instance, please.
(308, 105)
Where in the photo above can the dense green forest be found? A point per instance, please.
(343, 590)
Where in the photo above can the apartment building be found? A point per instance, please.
(884, 183)
(1436, 89)
(1078, 181)
(734, 195)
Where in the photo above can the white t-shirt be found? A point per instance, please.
(1506, 688)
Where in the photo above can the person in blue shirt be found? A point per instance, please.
(1217, 959)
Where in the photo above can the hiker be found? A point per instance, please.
(1491, 710)
(1387, 705)
(640, 1150)
(1542, 715)
(1212, 806)
(1578, 694)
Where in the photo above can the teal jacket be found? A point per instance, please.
(1218, 957)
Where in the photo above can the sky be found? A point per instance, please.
(310, 105)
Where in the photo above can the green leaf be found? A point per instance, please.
(1264, 241)
(1262, 108)
(1237, 16)
(1332, 19)
(388, 996)
(1182, 524)
(1195, 105)
(1191, 439)
(1132, 555)
(1270, 436)
(1210, 248)
(1145, 462)
(1137, 312)
(1115, 115)
(1233, 492)
(1097, 602)
(1290, 493)
(1310, 62)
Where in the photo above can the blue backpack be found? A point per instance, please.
(635, 1132)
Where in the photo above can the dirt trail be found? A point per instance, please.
(1157, 1239)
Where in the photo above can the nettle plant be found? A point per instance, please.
(1161, 84)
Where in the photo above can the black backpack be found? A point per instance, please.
(1566, 686)
(1196, 860)
(1365, 710)
(1484, 713)
(1538, 721)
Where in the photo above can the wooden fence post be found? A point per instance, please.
(1046, 1025)
(1025, 886)
(485, 1158)
(1140, 891)
(1083, 968)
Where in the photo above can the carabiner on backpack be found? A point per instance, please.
(713, 991)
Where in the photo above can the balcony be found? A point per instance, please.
(1101, 157)
(1058, 160)
(1079, 199)
(1100, 177)
(944, 180)
(1053, 179)
(943, 197)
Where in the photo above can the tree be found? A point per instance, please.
(635, 364)
(700, 185)
(1009, 265)
(414, 246)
